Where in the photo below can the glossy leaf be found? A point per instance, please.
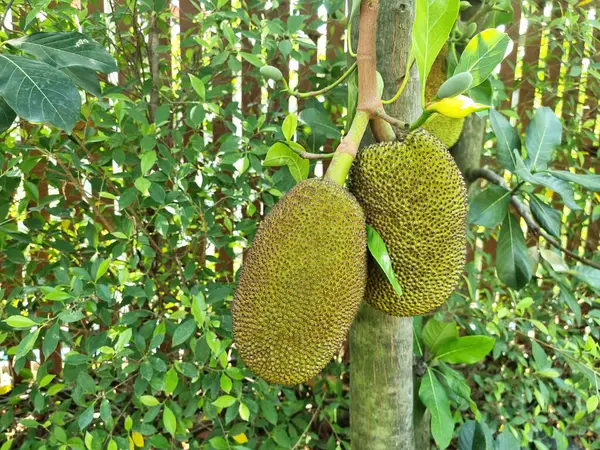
(7, 116)
(434, 397)
(544, 134)
(588, 181)
(20, 322)
(434, 20)
(507, 140)
(475, 436)
(27, 344)
(183, 332)
(169, 421)
(281, 155)
(465, 350)
(436, 333)
(490, 207)
(378, 250)
(66, 49)
(513, 264)
(483, 54)
(38, 92)
(548, 217)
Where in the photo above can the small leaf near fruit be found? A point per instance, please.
(379, 251)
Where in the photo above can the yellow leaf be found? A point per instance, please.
(138, 439)
(597, 197)
(131, 444)
(456, 107)
(5, 389)
(240, 438)
(584, 2)
(549, 194)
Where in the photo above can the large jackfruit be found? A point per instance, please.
(415, 197)
(446, 129)
(301, 284)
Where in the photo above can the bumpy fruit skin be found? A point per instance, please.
(301, 284)
(415, 197)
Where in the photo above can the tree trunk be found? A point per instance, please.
(381, 346)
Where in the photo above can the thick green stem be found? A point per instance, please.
(346, 151)
(421, 120)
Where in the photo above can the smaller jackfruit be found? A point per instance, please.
(271, 73)
(415, 197)
(446, 129)
(302, 282)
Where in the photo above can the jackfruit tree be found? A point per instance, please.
(120, 331)
(414, 199)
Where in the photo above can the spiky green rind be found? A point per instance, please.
(301, 284)
(446, 129)
(415, 197)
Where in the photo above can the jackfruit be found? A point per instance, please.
(301, 283)
(415, 197)
(446, 129)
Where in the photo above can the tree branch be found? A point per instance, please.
(525, 213)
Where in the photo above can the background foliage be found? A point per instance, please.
(119, 244)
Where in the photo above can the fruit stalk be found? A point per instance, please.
(369, 102)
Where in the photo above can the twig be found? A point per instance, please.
(525, 213)
(312, 419)
(154, 59)
(8, 8)
(337, 82)
(392, 120)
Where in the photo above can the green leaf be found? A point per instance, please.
(128, 423)
(434, 20)
(29, 88)
(568, 297)
(149, 400)
(31, 190)
(489, 208)
(86, 382)
(539, 355)
(506, 441)
(225, 383)
(475, 436)
(70, 49)
(379, 252)
(7, 116)
(465, 350)
(183, 332)
(7, 445)
(289, 126)
(147, 159)
(560, 187)
(436, 333)
(112, 445)
(127, 198)
(513, 264)
(281, 437)
(252, 59)
(103, 268)
(224, 401)
(219, 443)
(26, 345)
(244, 412)
(483, 54)
(352, 95)
(589, 275)
(544, 134)
(588, 181)
(86, 417)
(268, 411)
(171, 381)
(592, 403)
(46, 380)
(548, 217)
(507, 140)
(281, 155)
(86, 79)
(198, 86)
(51, 339)
(124, 338)
(548, 373)
(142, 184)
(199, 309)
(169, 421)
(433, 395)
(20, 322)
